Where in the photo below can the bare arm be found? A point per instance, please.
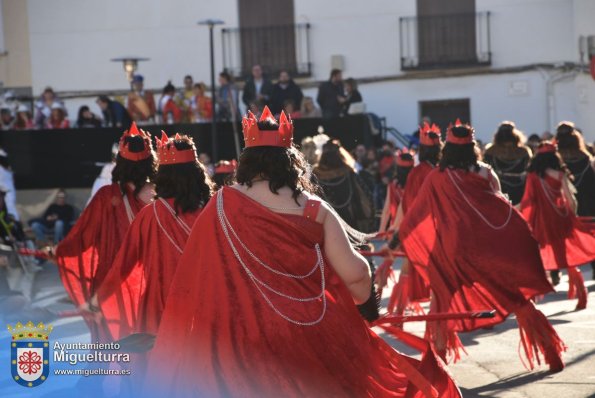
(398, 217)
(350, 266)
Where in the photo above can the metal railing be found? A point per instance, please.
(445, 41)
(274, 48)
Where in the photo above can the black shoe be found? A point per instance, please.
(555, 277)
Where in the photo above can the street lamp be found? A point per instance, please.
(211, 24)
(130, 66)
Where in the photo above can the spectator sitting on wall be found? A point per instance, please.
(114, 113)
(24, 121)
(331, 95)
(57, 219)
(227, 98)
(6, 118)
(7, 181)
(87, 119)
(352, 97)
(141, 103)
(290, 110)
(257, 88)
(43, 107)
(201, 108)
(285, 89)
(170, 111)
(57, 119)
(309, 110)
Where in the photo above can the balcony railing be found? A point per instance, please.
(445, 41)
(274, 48)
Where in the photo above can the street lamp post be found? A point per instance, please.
(130, 66)
(210, 23)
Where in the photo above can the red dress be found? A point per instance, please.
(143, 270)
(87, 252)
(563, 240)
(395, 194)
(478, 252)
(225, 332)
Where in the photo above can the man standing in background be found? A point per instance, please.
(331, 95)
(257, 88)
(141, 103)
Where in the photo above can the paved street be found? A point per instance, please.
(492, 367)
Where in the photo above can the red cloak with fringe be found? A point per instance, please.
(564, 241)
(86, 254)
(395, 195)
(472, 266)
(219, 335)
(133, 294)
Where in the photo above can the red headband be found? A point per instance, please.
(451, 138)
(401, 162)
(125, 152)
(173, 155)
(226, 167)
(424, 135)
(547, 147)
(253, 136)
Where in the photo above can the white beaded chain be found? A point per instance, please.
(227, 228)
(548, 191)
(181, 223)
(129, 211)
(485, 220)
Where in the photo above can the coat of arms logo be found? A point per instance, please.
(30, 353)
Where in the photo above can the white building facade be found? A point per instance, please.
(491, 60)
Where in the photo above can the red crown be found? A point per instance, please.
(547, 147)
(169, 154)
(226, 167)
(253, 136)
(125, 152)
(402, 162)
(424, 135)
(451, 138)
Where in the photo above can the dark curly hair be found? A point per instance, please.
(137, 173)
(459, 156)
(402, 172)
(279, 166)
(188, 183)
(549, 160)
(569, 139)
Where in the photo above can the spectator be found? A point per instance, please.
(359, 154)
(290, 110)
(57, 219)
(205, 159)
(533, 142)
(309, 110)
(24, 121)
(257, 88)
(141, 103)
(170, 111)
(284, 90)
(187, 92)
(183, 99)
(227, 98)
(43, 107)
(331, 96)
(7, 181)
(57, 119)
(6, 118)
(352, 97)
(256, 107)
(114, 113)
(201, 107)
(87, 119)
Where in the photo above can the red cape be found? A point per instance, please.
(219, 336)
(471, 266)
(132, 295)
(564, 241)
(395, 195)
(87, 253)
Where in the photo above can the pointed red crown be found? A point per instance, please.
(226, 167)
(424, 134)
(547, 147)
(402, 161)
(167, 152)
(451, 138)
(253, 136)
(125, 152)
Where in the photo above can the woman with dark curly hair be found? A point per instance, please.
(549, 207)
(395, 189)
(509, 158)
(478, 252)
(263, 301)
(87, 253)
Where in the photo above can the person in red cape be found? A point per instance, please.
(549, 207)
(86, 254)
(412, 286)
(395, 188)
(478, 253)
(263, 301)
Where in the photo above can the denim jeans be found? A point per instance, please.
(40, 231)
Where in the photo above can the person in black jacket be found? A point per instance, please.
(331, 95)
(58, 216)
(353, 95)
(114, 113)
(285, 90)
(257, 89)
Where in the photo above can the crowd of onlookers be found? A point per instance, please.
(190, 103)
